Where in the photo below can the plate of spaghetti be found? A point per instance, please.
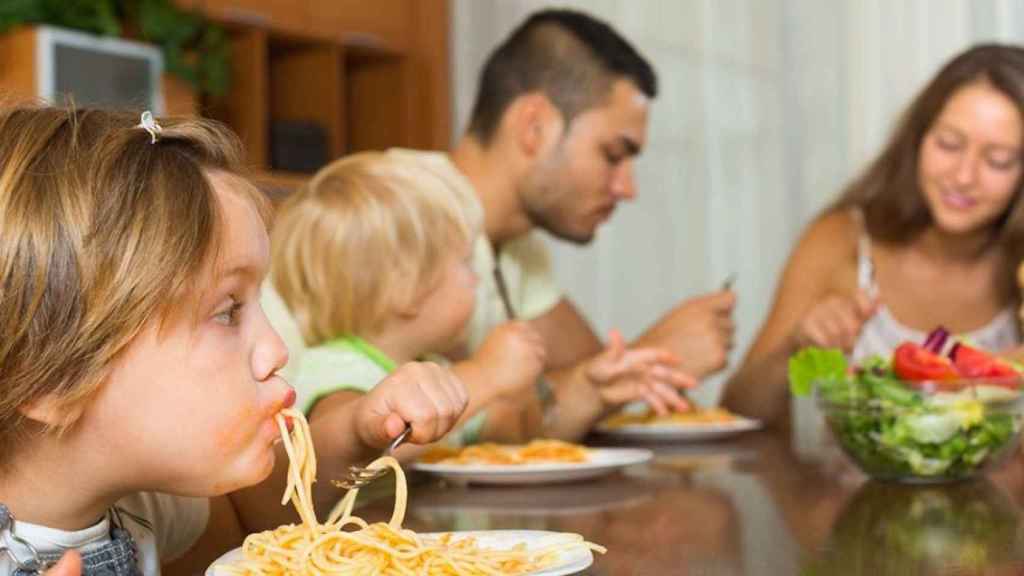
(697, 425)
(346, 545)
(539, 462)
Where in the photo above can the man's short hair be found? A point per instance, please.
(571, 57)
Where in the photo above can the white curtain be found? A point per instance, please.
(766, 108)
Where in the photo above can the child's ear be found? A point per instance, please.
(413, 303)
(50, 411)
(410, 309)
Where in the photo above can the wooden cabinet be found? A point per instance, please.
(319, 69)
(369, 74)
(289, 16)
(18, 63)
(244, 108)
(376, 24)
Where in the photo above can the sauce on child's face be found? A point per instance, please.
(190, 409)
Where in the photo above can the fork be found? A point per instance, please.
(729, 280)
(359, 476)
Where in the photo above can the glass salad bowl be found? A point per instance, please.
(922, 431)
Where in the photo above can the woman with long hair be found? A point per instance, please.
(930, 234)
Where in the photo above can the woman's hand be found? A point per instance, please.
(836, 322)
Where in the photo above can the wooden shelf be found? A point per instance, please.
(360, 71)
(286, 16)
(384, 25)
(368, 74)
(307, 82)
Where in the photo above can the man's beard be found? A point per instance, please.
(542, 220)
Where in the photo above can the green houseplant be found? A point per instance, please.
(194, 48)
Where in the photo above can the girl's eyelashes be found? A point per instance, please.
(948, 140)
(1003, 160)
(228, 314)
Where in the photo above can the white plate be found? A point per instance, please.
(696, 432)
(602, 461)
(573, 561)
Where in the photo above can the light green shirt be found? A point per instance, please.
(351, 363)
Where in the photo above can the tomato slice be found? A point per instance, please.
(973, 363)
(913, 363)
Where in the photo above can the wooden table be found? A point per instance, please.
(752, 506)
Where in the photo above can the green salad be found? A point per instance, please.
(898, 428)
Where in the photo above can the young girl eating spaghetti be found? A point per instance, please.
(138, 374)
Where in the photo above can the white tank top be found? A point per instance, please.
(882, 333)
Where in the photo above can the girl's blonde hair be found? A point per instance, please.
(368, 234)
(101, 232)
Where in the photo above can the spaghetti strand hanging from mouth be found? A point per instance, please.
(312, 548)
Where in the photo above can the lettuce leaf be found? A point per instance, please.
(812, 364)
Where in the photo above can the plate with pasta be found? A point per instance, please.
(539, 462)
(346, 545)
(697, 425)
(571, 559)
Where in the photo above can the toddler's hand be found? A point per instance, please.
(513, 354)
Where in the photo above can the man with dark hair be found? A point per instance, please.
(560, 115)
(569, 56)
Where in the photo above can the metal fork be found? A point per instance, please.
(359, 476)
(729, 280)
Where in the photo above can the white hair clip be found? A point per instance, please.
(148, 123)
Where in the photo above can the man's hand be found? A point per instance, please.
(621, 375)
(699, 331)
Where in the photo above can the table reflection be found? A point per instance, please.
(942, 529)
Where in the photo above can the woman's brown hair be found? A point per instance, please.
(888, 192)
(102, 231)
